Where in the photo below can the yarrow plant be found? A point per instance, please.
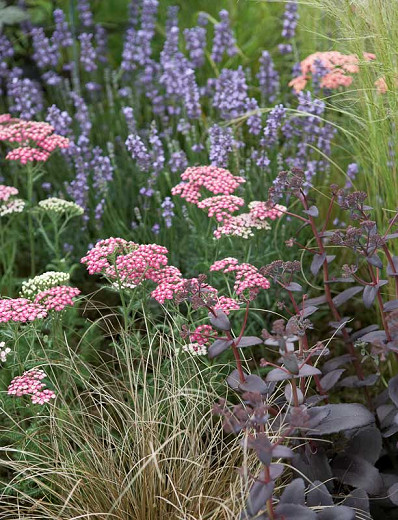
(36, 140)
(4, 351)
(20, 310)
(60, 206)
(32, 287)
(9, 203)
(57, 298)
(222, 207)
(30, 383)
(331, 69)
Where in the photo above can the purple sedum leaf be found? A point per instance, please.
(254, 383)
(294, 493)
(346, 295)
(336, 513)
(393, 494)
(355, 471)
(393, 390)
(218, 347)
(344, 416)
(295, 512)
(233, 380)
(248, 341)
(318, 495)
(317, 263)
(366, 443)
(369, 295)
(220, 320)
(330, 379)
(259, 493)
(293, 287)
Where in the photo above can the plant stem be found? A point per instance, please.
(392, 265)
(328, 294)
(30, 220)
(270, 505)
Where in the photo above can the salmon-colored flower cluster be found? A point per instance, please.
(338, 68)
(36, 139)
(247, 276)
(216, 180)
(57, 298)
(30, 383)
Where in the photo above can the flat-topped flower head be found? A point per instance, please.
(9, 203)
(140, 264)
(241, 226)
(200, 340)
(30, 383)
(247, 276)
(215, 180)
(226, 304)
(6, 192)
(36, 139)
(42, 282)
(60, 207)
(20, 310)
(57, 298)
(4, 351)
(98, 258)
(336, 69)
(221, 206)
(128, 264)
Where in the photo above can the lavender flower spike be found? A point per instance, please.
(224, 41)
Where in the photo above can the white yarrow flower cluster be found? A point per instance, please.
(4, 352)
(241, 225)
(32, 287)
(195, 349)
(9, 203)
(11, 206)
(60, 206)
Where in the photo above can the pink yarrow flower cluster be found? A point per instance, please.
(130, 264)
(247, 276)
(36, 139)
(221, 206)
(57, 298)
(202, 334)
(9, 203)
(20, 310)
(30, 384)
(339, 69)
(6, 192)
(98, 258)
(216, 180)
(200, 339)
(242, 225)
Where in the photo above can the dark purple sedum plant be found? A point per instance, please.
(342, 455)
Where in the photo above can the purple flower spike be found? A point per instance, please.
(224, 41)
